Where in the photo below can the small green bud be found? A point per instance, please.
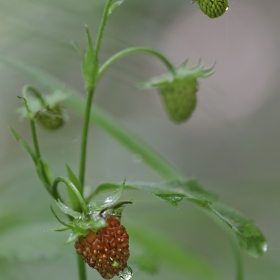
(212, 8)
(51, 118)
(178, 90)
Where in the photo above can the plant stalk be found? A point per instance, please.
(82, 168)
(89, 99)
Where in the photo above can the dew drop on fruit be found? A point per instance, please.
(126, 274)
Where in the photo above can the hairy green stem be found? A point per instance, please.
(128, 51)
(84, 140)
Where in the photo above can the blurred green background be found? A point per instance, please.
(231, 144)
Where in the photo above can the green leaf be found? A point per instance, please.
(72, 197)
(68, 211)
(250, 237)
(112, 199)
(166, 251)
(171, 192)
(44, 173)
(115, 5)
(25, 145)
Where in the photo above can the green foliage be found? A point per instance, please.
(178, 89)
(115, 5)
(44, 172)
(250, 237)
(73, 178)
(90, 65)
(25, 145)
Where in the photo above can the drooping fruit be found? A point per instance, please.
(178, 89)
(212, 8)
(106, 250)
(179, 99)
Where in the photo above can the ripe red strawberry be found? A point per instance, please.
(106, 250)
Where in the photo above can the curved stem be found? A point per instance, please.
(71, 186)
(29, 88)
(128, 51)
(238, 259)
(82, 168)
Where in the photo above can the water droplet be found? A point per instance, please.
(137, 158)
(265, 247)
(108, 199)
(126, 274)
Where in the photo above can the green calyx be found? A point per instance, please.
(212, 8)
(51, 118)
(90, 65)
(46, 110)
(178, 90)
(94, 218)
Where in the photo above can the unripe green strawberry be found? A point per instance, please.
(178, 90)
(213, 8)
(179, 99)
(51, 118)
(107, 250)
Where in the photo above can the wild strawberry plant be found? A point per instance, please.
(99, 238)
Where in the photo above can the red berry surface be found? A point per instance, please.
(106, 250)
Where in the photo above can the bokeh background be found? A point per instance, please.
(231, 144)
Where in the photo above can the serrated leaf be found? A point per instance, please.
(72, 197)
(68, 211)
(114, 6)
(24, 144)
(173, 199)
(250, 237)
(171, 192)
(28, 242)
(166, 251)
